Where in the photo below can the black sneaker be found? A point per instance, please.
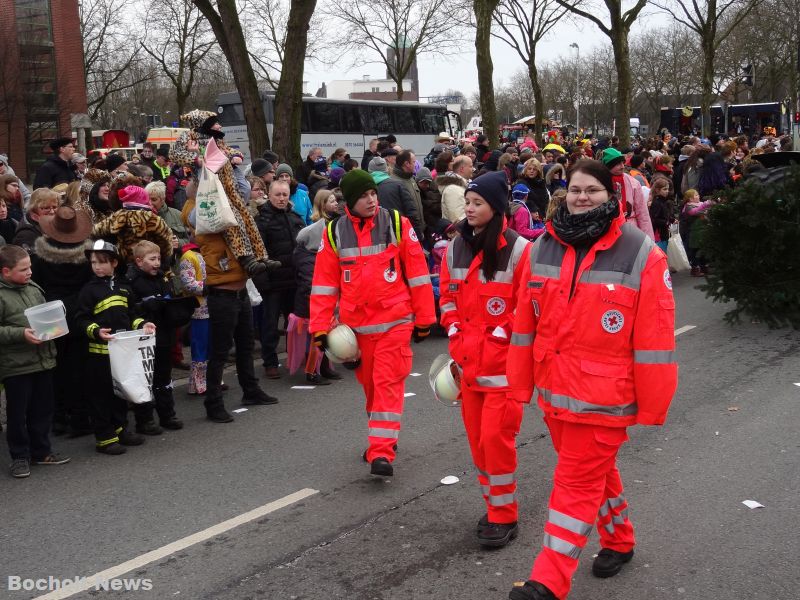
(497, 535)
(173, 423)
(258, 398)
(609, 562)
(382, 467)
(113, 449)
(531, 590)
(219, 415)
(126, 438)
(482, 522)
(149, 428)
(20, 468)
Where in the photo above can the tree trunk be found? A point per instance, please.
(707, 89)
(538, 98)
(619, 43)
(289, 98)
(483, 60)
(228, 31)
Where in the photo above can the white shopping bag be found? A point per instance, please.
(255, 296)
(132, 354)
(676, 254)
(214, 213)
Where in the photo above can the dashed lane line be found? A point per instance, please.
(176, 546)
(684, 329)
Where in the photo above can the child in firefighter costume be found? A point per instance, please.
(594, 333)
(479, 282)
(371, 263)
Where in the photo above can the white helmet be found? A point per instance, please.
(445, 380)
(342, 345)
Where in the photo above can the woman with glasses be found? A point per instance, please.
(44, 201)
(594, 332)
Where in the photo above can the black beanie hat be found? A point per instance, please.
(493, 188)
(354, 184)
(114, 161)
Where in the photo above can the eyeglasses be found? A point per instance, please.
(588, 191)
(48, 209)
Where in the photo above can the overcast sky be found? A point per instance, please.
(438, 74)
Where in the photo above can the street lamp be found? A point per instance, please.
(577, 86)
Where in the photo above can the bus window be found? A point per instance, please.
(406, 119)
(305, 121)
(432, 121)
(380, 119)
(231, 114)
(350, 119)
(323, 116)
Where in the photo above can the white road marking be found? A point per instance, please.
(177, 546)
(797, 384)
(684, 329)
(409, 394)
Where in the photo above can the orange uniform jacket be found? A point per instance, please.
(603, 354)
(478, 314)
(379, 281)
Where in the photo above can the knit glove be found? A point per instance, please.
(421, 332)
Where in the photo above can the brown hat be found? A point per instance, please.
(67, 225)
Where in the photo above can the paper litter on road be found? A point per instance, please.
(733, 408)
(419, 374)
(797, 384)
(752, 504)
(304, 387)
(449, 480)
(238, 410)
(407, 394)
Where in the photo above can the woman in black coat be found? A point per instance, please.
(278, 225)
(538, 196)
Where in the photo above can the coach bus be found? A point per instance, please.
(742, 118)
(350, 124)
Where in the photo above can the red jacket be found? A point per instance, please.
(603, 354)
(378, 281)
(478, 314)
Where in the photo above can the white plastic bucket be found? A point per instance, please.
(48, 320)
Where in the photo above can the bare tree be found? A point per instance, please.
(227, 28)
(108, 51)
(617, 31)
(178, 40)
(713, 21)
(289, 97)
(397, 32)
(484, 11)
(525, 24)
(12, 100)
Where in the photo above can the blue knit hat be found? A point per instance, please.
(493, 188)
(520, 191)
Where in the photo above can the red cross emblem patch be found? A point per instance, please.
(612, 321)
(496, 306)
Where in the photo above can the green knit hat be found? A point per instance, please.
(611, 156)
(354, 184)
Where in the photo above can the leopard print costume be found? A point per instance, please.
(243, 239)
(126, 227)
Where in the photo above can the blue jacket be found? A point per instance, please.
(302, 204)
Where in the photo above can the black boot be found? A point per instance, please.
(326, 371)
(531, 590)
(382, 467)
(497, 535)
(609, 562)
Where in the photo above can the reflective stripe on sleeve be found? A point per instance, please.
(492, 380)
(569, 523)
(654, 357)
(549, 271)
(384, 433)
(382, 327)
(324, 290)
(385, 416)
(448, 306)
(615, 502)
(522, 339)
(136, 323)
(561, 546)
(417, 281)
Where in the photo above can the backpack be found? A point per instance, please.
(430, 159)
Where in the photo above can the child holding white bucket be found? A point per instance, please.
(26, 367)
(105, 306)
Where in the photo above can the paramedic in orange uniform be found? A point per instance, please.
(370, 262)
(594, 333)
(479, 284)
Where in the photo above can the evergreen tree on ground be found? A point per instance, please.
(752, 241)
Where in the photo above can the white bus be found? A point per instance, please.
(329, 123)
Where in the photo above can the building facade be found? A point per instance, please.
(43, 83)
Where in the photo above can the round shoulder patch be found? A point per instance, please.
(612, 321)
(321, 244)
(390, 275)
(495, 306)
(667, 279)
(413, 234)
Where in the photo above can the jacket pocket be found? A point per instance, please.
(666, 313)
(602, 382)
(617, 294)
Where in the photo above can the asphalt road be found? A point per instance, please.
(731, 436)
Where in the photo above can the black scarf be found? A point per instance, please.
(585, 228)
